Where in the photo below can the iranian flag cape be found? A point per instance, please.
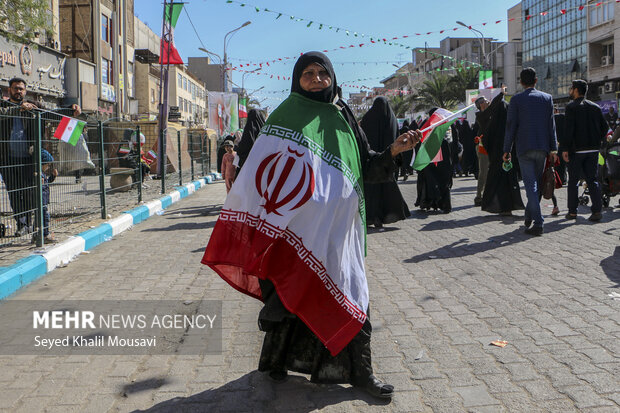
(295, 216)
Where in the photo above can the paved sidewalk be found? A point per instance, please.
(442, 288)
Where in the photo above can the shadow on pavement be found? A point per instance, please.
(191, 212)
(461, 248)
(185, 226)
(468, 222)
(611, 267)
(255, 392)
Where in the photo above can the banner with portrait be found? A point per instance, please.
(223, 112)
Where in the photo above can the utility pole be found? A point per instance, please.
(163, 90)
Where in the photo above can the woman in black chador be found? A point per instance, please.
(501, 192)
(384, 202)
(435, 180)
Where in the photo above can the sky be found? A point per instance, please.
(268, 38)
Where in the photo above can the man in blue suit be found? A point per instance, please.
(531, 127)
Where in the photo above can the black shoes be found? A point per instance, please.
(377, 388)
(527, 223)
(595, 217)
(536, 231)
(570, 216)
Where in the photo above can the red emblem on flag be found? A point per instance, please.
(291, 171)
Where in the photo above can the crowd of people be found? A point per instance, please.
(522, 141)
(278, 225)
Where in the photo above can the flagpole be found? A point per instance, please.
(448, 119)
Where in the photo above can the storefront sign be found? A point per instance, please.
(108, 93)
(42, 68)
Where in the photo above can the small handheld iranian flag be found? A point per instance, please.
(433, 132)
(485, 78)
(69, 130)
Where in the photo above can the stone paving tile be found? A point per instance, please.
(442, 286)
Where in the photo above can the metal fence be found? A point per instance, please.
(51, 188)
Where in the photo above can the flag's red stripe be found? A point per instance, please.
(241, 254)
(61, 127)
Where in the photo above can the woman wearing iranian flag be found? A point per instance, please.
(292, 232)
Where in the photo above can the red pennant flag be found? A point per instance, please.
(442, 31)
(499, 21)
(599, 3)
(563, 11)
(544, 13)
(169, 54)
(581, 7)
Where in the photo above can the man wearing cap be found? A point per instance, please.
(586, 129)
(530, 126)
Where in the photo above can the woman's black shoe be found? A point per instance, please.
(278, 375)
(377, 388)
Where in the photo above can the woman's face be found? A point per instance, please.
(314, 78)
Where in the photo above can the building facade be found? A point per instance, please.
(602, 37)
(189, 94)
(102, 32)
(554, 44)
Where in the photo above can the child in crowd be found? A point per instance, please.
(228, 169)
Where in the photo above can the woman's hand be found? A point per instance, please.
(406, 142)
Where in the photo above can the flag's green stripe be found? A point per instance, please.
(431, 145)
(311, 124)
(77, 132)
(176, 12)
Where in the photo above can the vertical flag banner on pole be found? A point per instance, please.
(485, 78)
(243, 110)
(170, 54)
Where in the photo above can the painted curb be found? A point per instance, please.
(28, 269)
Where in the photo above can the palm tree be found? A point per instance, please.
(437, 91)
(464, 78)
(401, 105)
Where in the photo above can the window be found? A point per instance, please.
(107, 71)
(180, 80)
(601, 14)
(152, 95)
(608, 54)
(105, 28)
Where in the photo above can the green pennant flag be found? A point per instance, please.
(173, 11)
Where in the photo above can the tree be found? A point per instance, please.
(24, 20)
(252, 104)
(464, 78)
(400, 104)
(437, 91)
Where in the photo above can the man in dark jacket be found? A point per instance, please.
(17, 138)
(530, 127)
(586, 129)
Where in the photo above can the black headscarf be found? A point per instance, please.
(256, 120)
(380, 125)
(326, 95)
(375, 167)
(405, 127)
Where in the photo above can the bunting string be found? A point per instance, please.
(391, 40)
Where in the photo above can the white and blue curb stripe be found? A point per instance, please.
(28, 269)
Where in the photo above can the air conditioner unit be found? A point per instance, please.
(605, 60)
(610, 87)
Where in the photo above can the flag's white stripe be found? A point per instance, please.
(448, 119)
(66, 134)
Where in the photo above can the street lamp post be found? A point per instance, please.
(483, 58)
(225, 77)
(243, 79)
